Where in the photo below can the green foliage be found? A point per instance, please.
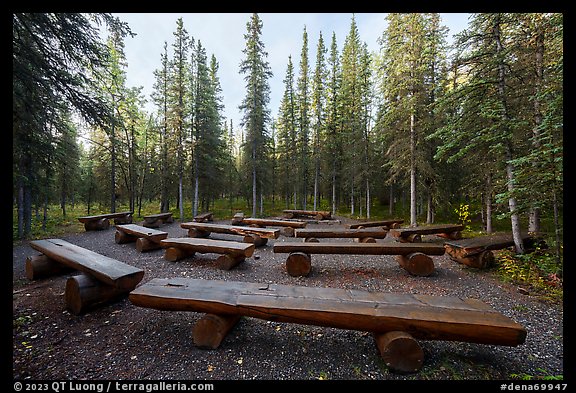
(544, 376)
(538, 270)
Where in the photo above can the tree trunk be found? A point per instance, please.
(489, 203)
(413, 221)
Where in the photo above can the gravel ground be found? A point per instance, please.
(120, 341)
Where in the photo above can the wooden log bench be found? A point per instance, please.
(204, 217)
(317, 214)
(102, 279)
(232, 253)
(395, 320)
(257, 236)
(288, 227)
(476, 252)
(154, 220)
(414, 234)
(146, 238)
(386, 224)
(364, 235)
(237, 219)
(102, 221)
(414, 258)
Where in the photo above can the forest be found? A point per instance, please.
(417, 129)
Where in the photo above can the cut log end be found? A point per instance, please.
(417, 264)
(456, 235)
(143, 245)
(211, 329)
(84, 292)
(311, 240)
(39, 266)
(174, 254)
(400, 351)
(123, 237)
(227, 262)
(199, 233)
(367, 240)
(298, 264)
(97, 225)
(256, 240)
(288, 231)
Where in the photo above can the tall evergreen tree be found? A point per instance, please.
(254, 105)
(303, 136)
(319, 113)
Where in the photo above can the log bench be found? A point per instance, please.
(102, 221)
(146, 238)
(204, 217)
(317, 214)
(414, 234)
(102, 279)
(476, 252)
(414, 258)
(257, 236)
(363, 235)
(288, 227)
(395, 320)
(233, 253)
(154, 220)
(386, 224)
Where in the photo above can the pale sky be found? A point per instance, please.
(222, 34)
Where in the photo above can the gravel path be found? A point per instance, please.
(122, 341)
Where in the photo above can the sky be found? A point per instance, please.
(222, 34)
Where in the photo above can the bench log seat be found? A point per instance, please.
(146, 238)
(233, 253)
(103, 279)
(386, 224)
(317, 214)
(414, 234)
(414, 258)
(288, 227)
(395, 320)
(154, 220)
(102, 221)
(363, 235)
(476, 252)
(257, 236)
(204, 217)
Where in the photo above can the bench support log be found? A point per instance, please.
(123, 220)
(368, 239)
(97, 225)
(400, 351)
(413, 238)
(457, 235)
(228, 261)
(195, 232)
(211, 329)
(298, 264)
(143, 244)
(39, 266)
(416, 263)
(256, 240)
(84, 292)
(123, 237)
(174, 254)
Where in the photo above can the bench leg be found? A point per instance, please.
(143, 244)
(256, 240)
(227, 261)
(97, 225)
(298, 264)
(174, 254)
(414, 238)
(127, 219)
(84, 292)
(366, 240)
(311, 240)
(457, 235)
(195, 232)
(288, 231)
(211, 329)
(123, 237)
(38, 266)
(417, 264)
(400, 351)
(151, 223)
(478, 260)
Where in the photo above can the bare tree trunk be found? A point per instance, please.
(413, 212)
(391, 204)
(367, 199)
(488, 202)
